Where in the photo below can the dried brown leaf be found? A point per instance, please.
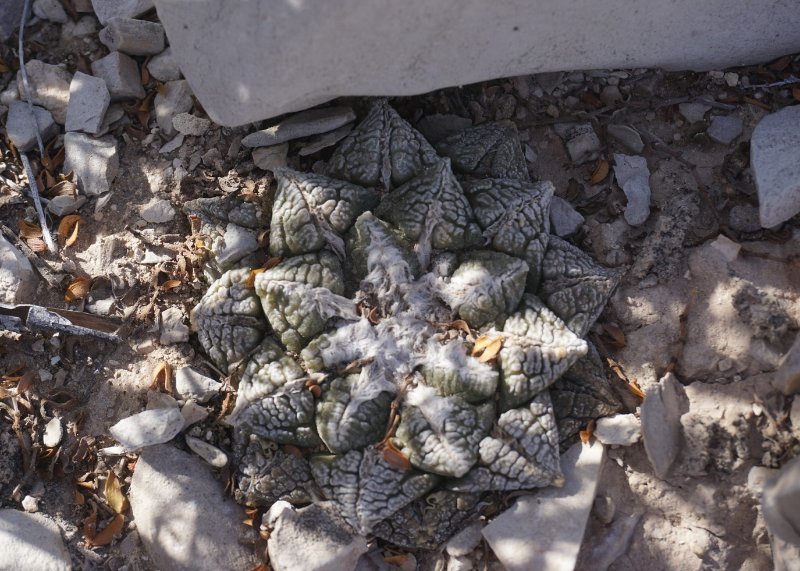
(145, 72)
(481, 343)
(90, 525)
(796, 93)
(64, 188)
(161, 379)
(395, 458)
(78, 498)
(29, 230)
(398, 559)
(78, 288)
(757, 103)
(25, 382)
(113, 492)
(171, 284)
(106, 535)
(491, 350)
(36, 244)
(250, 282)
(600, 172)
(4, 67)
(272, 262)
(68, 229)
(461, 325)
(588, 432)
(615, 337)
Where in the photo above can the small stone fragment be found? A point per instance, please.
(192, 413)
(564, 219)
(157, 211)
(190, 384)
(634, 178)
(627, 137)
(618, 430)
(465, 541)
(192, 536)
(88, 101)
(51, 10)
(164, 66)
(744, 218)
(237, 242)
(190, 125)
(49, 87)
(211, 454)
(156, 399)
(324, 140)
(661, 412)
(775, 161)
(757, 477)
(726, 247)
(581, 141)
(725, 129)
(121, 75)
(544, 531)
(65, 204)
(94, 161)
(313, 538)
(20, 125)
(693, 112)
(105, 10)
(30, 504)
(31, 541)
(304, 124)
(147, 428)
(175, 98)
(271, 158)
(133, 37)
(173, 144)
(80, 29)
(53, 432)
(173, 326)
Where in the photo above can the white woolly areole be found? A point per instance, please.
(434, 408)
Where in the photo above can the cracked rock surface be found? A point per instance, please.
(359, 348)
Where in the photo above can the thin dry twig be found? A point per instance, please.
(48, 239)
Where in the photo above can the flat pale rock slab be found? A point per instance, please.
(183, 516)
(252, 60)
(95, 162)
(661, 411)
(775, 160)
(147, 428)
(305, 124)
(544, 531)
(312, 539)
(30, 541)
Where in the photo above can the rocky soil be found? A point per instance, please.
(660, 174)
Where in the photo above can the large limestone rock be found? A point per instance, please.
(247, 61)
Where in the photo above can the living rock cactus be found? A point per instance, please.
(358, 380)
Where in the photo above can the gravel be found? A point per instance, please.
(89, 99)
(94, 161)
(20, 125)
(121, 74)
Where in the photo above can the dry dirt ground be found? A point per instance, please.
(682, 304)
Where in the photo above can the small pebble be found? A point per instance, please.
(30, 504)
(53, 432)
(211, 454)
(724, 129)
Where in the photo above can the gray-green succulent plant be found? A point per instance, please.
(358, 382)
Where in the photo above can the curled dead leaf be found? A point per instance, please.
(250, 282)
(36, 244)
(397, 560)
(29, 230)
(78, 288)
(480, 344)
(161, 379)
(613, 335)
(78, 498)
(272, 262)
(633, 387)
(588, 432)
(68, 229)
(171, 284)
(113, 492)
(64, 188)
(315, 390)
(461, 325)
(395, 458)
(600, 171)
(491, 350)
(796, 93)
(106, 535)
